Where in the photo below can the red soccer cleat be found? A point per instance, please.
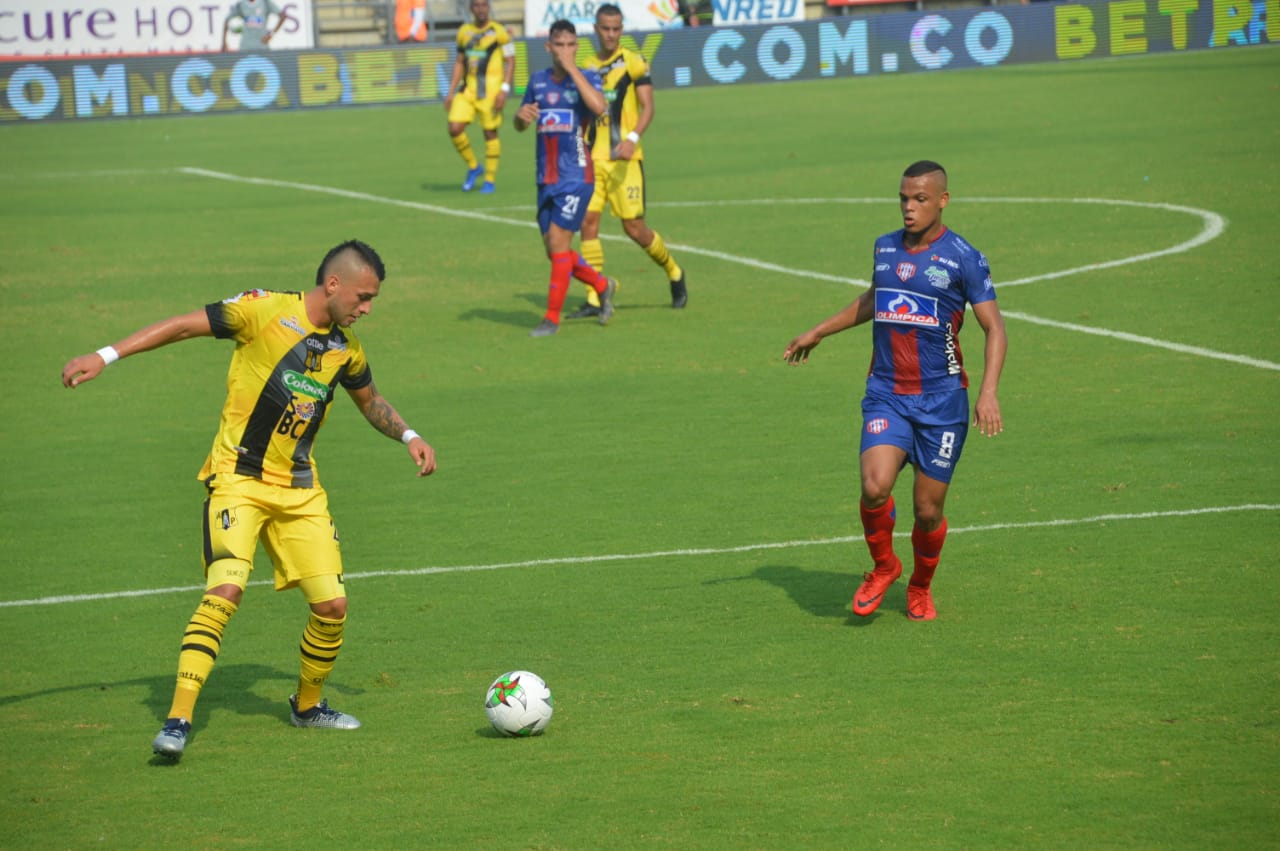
(871, 592)
(920, 604)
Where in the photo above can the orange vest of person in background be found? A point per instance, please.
(411, 20)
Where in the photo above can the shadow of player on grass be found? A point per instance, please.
(821, 593)
(234, 691)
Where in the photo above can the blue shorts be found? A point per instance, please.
(565, 206)
(930, 428)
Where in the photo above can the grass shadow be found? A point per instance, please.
(824, 593)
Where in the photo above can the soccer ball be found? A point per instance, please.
(518, 703)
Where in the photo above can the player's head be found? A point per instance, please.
(608, 27)
(350, 275)
(480, 11)
(921, 196)
(563, 34)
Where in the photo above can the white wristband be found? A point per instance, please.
(505, 88)
(633, 137)
(109, 355)
(409, 434)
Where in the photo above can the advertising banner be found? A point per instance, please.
(637, 15)
(88, 28)
(92, 88)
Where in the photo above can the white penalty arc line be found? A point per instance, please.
(1213, 225)
(660, 554)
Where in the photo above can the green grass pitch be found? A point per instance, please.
(660, 517)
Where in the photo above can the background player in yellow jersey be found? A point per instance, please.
(293, 350)
(619, 157)
(486, 82)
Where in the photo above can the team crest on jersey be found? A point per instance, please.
(906, 271)
(904, 308)
(553, 98)
(878, 425)
(305, 410)
(247, 295)
(938, 277)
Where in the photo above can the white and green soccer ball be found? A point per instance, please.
(518, 704)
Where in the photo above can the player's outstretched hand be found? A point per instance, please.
(423, 455)
(528, 113)
(82, 369)
(798, 349)
(986, 415)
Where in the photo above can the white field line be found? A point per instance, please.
(1213, 225)
(681, 553)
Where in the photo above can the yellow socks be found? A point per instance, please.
(492, 154)
(657, 251)
(463, 144)
(321, 641)
(200, 645)
(593, 252)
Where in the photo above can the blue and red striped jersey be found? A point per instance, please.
(563, 155)
(920, 300)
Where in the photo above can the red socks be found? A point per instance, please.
(928, 549)
(561, 270)
(877, 528)
(585, 272)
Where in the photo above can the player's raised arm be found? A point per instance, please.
(182, 327)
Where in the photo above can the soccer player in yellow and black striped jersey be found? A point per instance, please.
(486, 82)
(293, 351)
(619, 157)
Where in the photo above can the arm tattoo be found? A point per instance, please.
(382, 416)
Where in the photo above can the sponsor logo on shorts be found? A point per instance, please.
(878, 425)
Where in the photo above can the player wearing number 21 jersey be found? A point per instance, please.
(561, 102)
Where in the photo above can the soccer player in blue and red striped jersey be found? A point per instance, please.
(916, 407)
(562, 102)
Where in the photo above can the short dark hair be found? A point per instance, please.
(919, 168)
(607, 9)
(561, 26)
(366, 252)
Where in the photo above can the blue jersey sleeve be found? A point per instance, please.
(977, 277)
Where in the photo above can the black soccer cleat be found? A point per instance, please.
(679, 294)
